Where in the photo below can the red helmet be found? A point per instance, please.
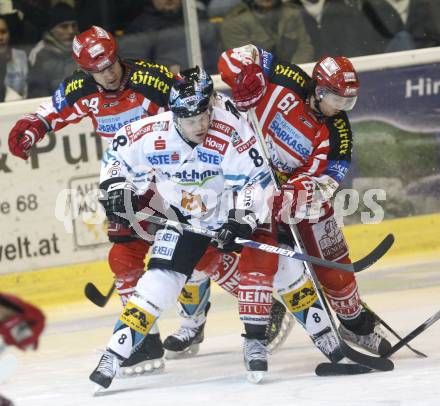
(95, 49)
(337, 75)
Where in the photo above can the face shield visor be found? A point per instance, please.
(336, 101)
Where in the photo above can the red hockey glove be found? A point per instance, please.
(23, 326)
(26, 132)
(250, 87)
(295, 195)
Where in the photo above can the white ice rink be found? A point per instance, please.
(405, 297)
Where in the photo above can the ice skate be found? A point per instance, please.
(106, 370)
(279, 327)
(366, 333)
(184, 343)
(145, 360)
(327, 342)
(255, 359)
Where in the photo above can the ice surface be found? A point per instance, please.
(58, 373)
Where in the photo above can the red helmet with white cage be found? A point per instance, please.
(337, 81)
(94, 49)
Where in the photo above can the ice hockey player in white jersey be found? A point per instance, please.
(202, 158)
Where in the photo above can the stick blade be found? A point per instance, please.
(374, 255)
(94, 295)
(332, 369)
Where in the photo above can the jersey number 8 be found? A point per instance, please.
(256, 157)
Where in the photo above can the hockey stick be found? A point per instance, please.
(95, 296)
(362, 359)
(388, 327)
(376, 254)
(271, 249)
(405, 340)
(328, 369)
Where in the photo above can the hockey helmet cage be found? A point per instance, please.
(191, 92)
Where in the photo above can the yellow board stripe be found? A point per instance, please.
(60, 285)
(417, 240)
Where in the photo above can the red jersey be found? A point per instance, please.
(143, 92)
(299, 143)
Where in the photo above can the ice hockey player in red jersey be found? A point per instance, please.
(309, 140)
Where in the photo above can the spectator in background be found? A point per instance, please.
(270, 24)
(112, 15)
(219, 8)
(389, 22)
(51, 60)
(35, 18)
(434, 12)
(338, 27)
(13, 67)
(158, 34)
(403, 24)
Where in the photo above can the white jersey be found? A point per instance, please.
(200, 181)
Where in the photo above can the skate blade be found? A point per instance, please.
(255, 376)
(285, 329)
(149, 367)
(191, 351)
(98, 390)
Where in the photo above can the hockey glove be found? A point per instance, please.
(23, 323)
(116, 204)
(250, 87)
(241, 223)
(26, 132)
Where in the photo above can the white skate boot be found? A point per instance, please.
(106, 370)
(366, 333)
(184, 343)
(255, 359)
